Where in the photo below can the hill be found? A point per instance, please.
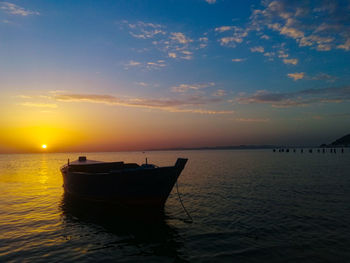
(343, 141)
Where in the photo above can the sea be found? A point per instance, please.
(246, 206)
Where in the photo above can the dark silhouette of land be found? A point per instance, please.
(231, 147)
(341, 142)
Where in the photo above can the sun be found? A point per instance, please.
(44, 146)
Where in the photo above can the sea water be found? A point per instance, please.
(246, 205)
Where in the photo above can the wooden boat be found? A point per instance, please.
(126, 184)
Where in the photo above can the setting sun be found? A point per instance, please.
(44, 146)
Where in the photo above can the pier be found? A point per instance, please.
(311, 150)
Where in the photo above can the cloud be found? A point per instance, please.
(345, 46)
(172, 44)
(324, 76)
(180, 37)
(16, 10)
(210, 1)
(296, 76)
(321, 25)
(234, 35)
(259, 49)
(172, 55)
(252, 120)
(170, 105)
(142, 84)
(133, 63)
(224, 28)
(203, 42)
(299, 98)
(38, 105)
(220, 93)
(186, 87)
(144, 30)
(292, 61)
(238, 59)
(145, 65)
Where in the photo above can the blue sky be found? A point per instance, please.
(263, 71)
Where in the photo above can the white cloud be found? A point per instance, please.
(210, 1)
(224, 28)
(236, 35)
(16, 10)
(186, 87)
(172, 55)
(292, 61)
(259, 49)
(180, 37)
(296, 76)
(238, 59)
(146, 65)
(203, 42)
(145, 30)
(322, 28)
(345, 46)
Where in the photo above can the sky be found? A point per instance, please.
(133, 75)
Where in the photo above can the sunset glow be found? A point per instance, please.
(168, 74)
(44, 146)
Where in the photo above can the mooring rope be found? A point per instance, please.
(188, 214)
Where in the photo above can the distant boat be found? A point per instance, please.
(126, 184)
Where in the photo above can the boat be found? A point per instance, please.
(125, 184)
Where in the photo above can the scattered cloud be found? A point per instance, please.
(258, 49)
(186, 87)
(142, 84)
(345, 46)
(234, 35)
(166, 104)
(238, 59)
(296, 76)
(172, 55)
(298, 98)
(252, 120)
(132, 63)
(180, 38)
(220, 93)
(13, 9)
(144, 30)
(292, 61)
(203, 42)
(224, 28)
(324, 76)
(38, 105)
(175, 45)
(145, 65)
(322, 25)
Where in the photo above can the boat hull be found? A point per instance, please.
(130, 187)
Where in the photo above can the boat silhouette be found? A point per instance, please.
(125, 184)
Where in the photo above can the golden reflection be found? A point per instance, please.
(43, 171)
